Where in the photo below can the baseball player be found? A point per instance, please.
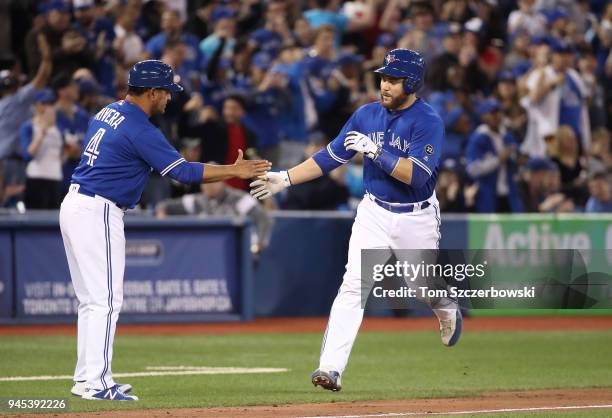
(401, 137)
(122, 148)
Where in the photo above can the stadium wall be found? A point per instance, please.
(202, 270)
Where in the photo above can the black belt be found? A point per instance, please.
(402, 208)
(85, 192)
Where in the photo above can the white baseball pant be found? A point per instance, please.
(92, 230)
(374, 227)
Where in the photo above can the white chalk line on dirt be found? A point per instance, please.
(474, 411)
(161, 371)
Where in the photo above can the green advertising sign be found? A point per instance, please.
(536, 231)
(542, 232)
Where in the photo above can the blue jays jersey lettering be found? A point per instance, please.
(416, 133)
(120, 150)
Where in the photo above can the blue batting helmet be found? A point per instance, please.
(153, 74)
(406, 64)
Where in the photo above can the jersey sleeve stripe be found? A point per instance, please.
(334, 156)
(171, 166)
(420, 164)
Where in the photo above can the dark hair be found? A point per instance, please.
(237, 97)
(61, 81)
(173, 43)
(137, 91)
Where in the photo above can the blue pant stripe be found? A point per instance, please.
(109, 276)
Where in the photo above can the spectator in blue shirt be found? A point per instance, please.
(491, 154)
(325, 13)
(99, 32)
(300, 115)
(72, 122)
(600, 187)
(319, 60)
(274, 34)
(269, 97)
(172, 30)
(224, 21)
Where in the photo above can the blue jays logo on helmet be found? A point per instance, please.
(406, 64)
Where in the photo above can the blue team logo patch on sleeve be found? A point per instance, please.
(429, 149)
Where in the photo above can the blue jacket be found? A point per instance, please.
(483, 166)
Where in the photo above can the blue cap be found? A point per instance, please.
(519, 32)
(539, 40)
(261, 60)
(59, 5)
(386, 39)
(487, 106)
(87, 86)
(506, 76)
(222, 13)
(555, 14)
(521, 68)
(153, 74)
(541, 164)
(346, 58)
(561, 47)
(44, 96)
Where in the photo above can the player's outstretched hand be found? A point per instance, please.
(356, 141)
(248, 169)
(270, 184)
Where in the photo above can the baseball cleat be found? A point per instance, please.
(327, 379)
(110, 394)
(79, 388)
(450, 329)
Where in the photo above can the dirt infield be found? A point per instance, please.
(554, 402)
(408, 407)
(284, 325)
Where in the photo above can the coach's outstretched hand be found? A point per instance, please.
(270, 184)
(248, 169)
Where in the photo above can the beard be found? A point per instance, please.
(159, 108)
(393, 102)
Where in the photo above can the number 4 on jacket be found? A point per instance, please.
(92, 148)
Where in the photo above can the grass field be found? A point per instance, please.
(404, 365)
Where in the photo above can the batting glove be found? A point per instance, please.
(270, 184)
(356, 141)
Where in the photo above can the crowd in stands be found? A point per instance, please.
(523, 87)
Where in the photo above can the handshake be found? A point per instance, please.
(274, 182)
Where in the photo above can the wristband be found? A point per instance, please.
(386, 161)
